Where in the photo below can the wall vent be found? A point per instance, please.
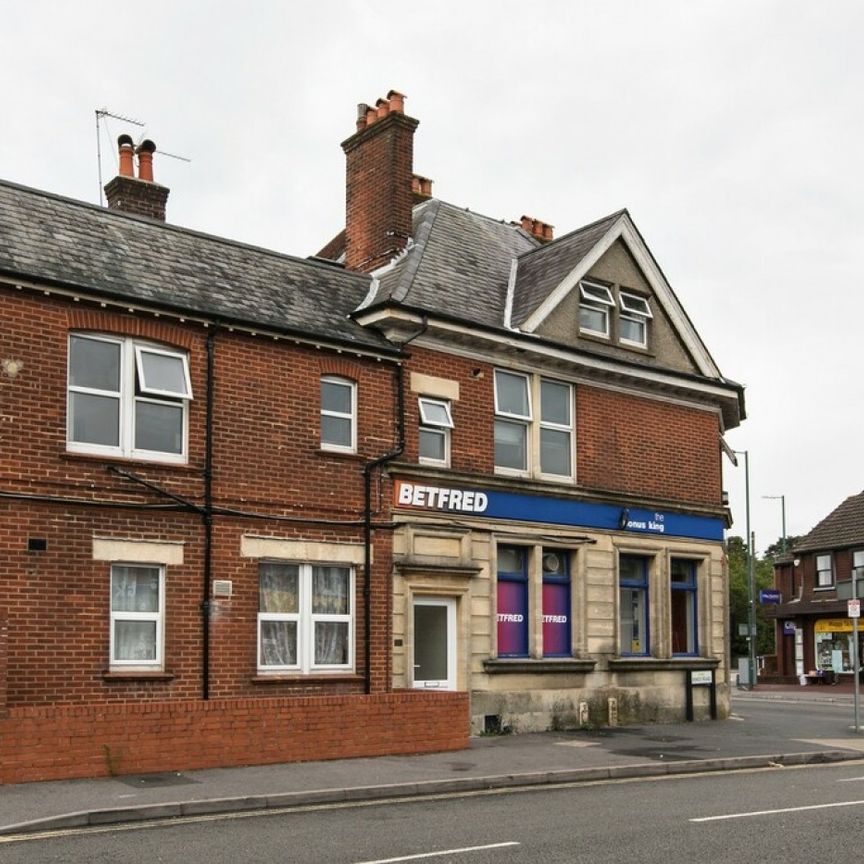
(222, 587)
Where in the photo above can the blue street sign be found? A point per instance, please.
(769, 595)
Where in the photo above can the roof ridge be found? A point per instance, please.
(570, 234)
(108, 213)
(492, 219)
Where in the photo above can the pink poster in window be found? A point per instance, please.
(512, 619)
(556, 619)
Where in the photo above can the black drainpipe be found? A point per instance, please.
(368, 468)
(207, 516)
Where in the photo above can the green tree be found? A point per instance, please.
(776, 549)
(739, 597)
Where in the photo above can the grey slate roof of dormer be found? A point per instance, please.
(459, 264)
(843, 527)
(541, 270)
(45, 238)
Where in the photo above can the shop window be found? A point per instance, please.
(127, 398)
(434, 433)
(556, 604)
(136, 639)
(824, 572)
(512, 601)
(683, 606)
(305, 617)
(338, 414)
(633, 637)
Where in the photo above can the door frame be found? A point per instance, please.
(449, 603)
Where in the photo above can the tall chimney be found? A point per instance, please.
(378, 198)
(138, 195)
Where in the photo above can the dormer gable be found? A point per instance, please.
(600, 288)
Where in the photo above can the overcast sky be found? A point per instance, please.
(731, 130)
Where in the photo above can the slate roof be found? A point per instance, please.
(542, 270)
(47, 238)
(455, 249)
(842, 527)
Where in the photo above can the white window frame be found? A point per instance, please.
(131, 370)
(351, 415)
(509, 417)
(595, 296)
(158, 664)
(306, 621)
(634, 308)
(820, 570)
(438, 428)
(557, 427)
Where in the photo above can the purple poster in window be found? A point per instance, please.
(556, 619)
(512, 619)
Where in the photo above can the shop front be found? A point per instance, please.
(556, 612)
(833, 645)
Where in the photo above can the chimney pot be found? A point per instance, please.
(527, 224)
(127, 169)
(371, 116)
(547, 232)
(362, 116)
(383, 107)
(397, 101)
(145, 152)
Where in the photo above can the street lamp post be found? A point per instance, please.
(782, 516)
(751, 603)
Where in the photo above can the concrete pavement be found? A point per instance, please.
(490, 762)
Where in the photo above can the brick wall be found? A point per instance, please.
(63, 742)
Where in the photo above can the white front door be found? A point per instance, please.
(435, 643)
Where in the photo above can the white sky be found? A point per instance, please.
(732, 130)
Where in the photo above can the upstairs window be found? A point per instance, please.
(127, 398)
(594, 308)
(633, 319)
(824, 572)
(512, 418)
(556, 428)
(434, 435)
(338, 414)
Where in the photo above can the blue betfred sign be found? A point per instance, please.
(556, 511)
(769, 596)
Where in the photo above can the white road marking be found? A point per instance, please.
(837, 743)
(577, 743)
(735, 717)
(849, 779)
(775, 812)
(437, 854)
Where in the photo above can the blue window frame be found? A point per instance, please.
(633, 635)
(556, 604)
(512, 601)
(683, 601)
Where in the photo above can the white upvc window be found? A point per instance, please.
(594, 308)
(434, 433)
(512, 419)
(556, 428)
(338, 414)
(633, 319)
(137, 636)
(305, 617)
(127, 398)
(824, 571)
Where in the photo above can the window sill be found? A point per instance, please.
(136, 675)
(823, 588)
(72, 456)
(308, 678)
(646, 664)
(340, 454)
(564, 665)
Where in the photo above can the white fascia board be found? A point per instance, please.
(624, 228)
(720, 390)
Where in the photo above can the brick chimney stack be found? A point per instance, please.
(541, 231)
(378, 189)
(138, 195)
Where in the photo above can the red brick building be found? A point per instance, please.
(196, 557)
(460, 467)
(559, 507)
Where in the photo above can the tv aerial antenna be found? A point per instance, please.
(101, 114)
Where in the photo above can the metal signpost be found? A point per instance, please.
(854, 611)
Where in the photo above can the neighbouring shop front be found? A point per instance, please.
(555, 612)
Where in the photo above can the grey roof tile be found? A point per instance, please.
(47, 238)
(542, 270)
(843, 527)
